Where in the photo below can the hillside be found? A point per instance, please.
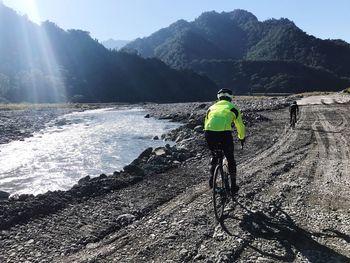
(249, 77)
(239, 36)
(47, 64)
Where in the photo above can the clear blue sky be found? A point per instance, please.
(129, 19)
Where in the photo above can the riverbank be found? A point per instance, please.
(20, 121)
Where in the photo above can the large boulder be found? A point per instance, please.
(146, 153)
(134, 170)
(84, 180)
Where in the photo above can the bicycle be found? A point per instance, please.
(222, 184)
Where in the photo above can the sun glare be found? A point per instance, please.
(33, 11)
(25, 7)
(48, 82)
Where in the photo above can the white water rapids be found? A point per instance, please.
(76, 145)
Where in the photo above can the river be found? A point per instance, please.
(76, 145)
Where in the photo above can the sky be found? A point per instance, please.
(130, 19)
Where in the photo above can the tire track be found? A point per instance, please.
(334, 159)
(287, 137)
(324, 203)
(279, 159)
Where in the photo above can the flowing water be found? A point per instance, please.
(76, 145)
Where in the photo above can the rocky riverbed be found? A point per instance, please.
(18, 122)
(159, 209)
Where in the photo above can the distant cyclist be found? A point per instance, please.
(294, 111)
(218, 124)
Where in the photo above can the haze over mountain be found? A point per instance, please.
(47, 64)
(238, 51)
(114, 44)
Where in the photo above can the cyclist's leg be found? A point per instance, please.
(212, 142)
(228, 149)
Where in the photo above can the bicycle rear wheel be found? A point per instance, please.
(219, 193)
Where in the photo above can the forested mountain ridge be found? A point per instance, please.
(239, 36)
(47, 64)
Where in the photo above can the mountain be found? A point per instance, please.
(238, 38)
(114, 44)
(48, 64)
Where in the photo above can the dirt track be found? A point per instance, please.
(293, 205)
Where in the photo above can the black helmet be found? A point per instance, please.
(225, 94)
(294, 102)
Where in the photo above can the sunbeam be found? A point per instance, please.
(43, 80)
(54, 78)
(27, 59)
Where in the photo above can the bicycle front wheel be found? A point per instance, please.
(219, 194)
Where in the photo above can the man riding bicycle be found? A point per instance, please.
(218, 124)
(294, 111)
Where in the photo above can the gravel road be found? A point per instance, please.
(293, 205)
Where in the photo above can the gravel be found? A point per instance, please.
(293, 204)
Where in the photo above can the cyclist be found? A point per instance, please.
(218, 124)
(294, 111)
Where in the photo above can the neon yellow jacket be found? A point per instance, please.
(222, 115)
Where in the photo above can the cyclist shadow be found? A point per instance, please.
(279, 227)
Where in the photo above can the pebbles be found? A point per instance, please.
(20, 124)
